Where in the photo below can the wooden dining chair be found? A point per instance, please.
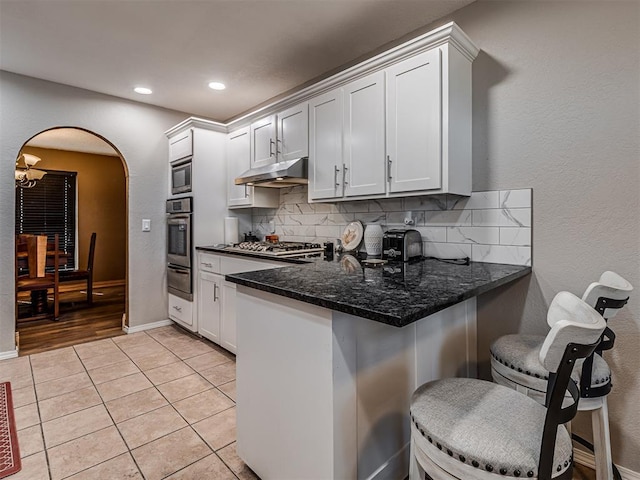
(38, 280)
(87, 274)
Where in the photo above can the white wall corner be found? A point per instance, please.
(8, 354)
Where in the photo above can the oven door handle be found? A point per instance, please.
(180, 271)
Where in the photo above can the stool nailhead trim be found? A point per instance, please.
(596, 381)
(488, 467)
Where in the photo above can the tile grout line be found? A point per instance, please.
(44, 444)
(114, 424)
(112, 419)
(189, 425)
(213, 451)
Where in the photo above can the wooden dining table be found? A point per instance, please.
(38, 298)
(63, 258)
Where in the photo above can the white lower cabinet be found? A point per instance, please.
(210, 305)
(216, 298)
(228, 317)
(181, 311)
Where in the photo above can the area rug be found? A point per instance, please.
(9, 451)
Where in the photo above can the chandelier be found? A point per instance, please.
(27, 177)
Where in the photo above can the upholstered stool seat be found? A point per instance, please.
(515, 356)
(488, 427)
(469, 429)
(515, 364)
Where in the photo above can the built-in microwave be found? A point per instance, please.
(181, 176)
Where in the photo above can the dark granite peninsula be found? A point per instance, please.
(395, 293)
(329, 354)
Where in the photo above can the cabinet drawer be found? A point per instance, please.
(181, 145)
(209, 263)
(180, 310)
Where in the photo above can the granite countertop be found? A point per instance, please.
(395, 293)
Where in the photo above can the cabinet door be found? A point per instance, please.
(414, 123)
(325, 146)
(180, 311)
(209, 301)
(263, 142)
(364, 153)
(181, 145)
(228, 317)
(293, 133)
(238, 162)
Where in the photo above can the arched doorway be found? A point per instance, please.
(96, 193)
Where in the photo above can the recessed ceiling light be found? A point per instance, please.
(143, 90)
(217, 86)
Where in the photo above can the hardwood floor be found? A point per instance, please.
(78, 323)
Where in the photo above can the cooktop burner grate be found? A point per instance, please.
(277, 249)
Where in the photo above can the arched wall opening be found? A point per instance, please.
(101, 206)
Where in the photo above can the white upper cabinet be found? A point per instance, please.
(406, 126)
(181, 145)
(280, 137)
(363, 135)
(293, 133)
(325, 146)
(263, 142)
(414, 115)
(238, 162)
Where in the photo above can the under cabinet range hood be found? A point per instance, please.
(276, 175)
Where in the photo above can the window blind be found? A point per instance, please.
(49, 208)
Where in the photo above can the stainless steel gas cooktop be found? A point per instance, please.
(278, 249)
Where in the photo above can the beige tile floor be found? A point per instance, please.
(151, 405)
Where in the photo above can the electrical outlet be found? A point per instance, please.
(146, 225)
(408, 219)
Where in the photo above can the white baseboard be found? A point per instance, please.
(587, 459)
(8, 354)
(147, 326)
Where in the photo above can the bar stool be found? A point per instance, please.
(473, 429)
(515, 364)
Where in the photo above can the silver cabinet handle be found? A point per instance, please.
(177, 308)
(246, 192)
(278, 150)
(335, 175)
(215, 292)
(206, 264)
(344, 174)
(271, 143)
(388, 168)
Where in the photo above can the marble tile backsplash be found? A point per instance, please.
(492, 226)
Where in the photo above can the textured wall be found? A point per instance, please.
(556, 107)
(30, 106)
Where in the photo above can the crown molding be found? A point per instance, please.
(449, 33)
(196, 122)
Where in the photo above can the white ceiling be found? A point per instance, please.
(259, 48)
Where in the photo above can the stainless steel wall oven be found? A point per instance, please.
(179, 249)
